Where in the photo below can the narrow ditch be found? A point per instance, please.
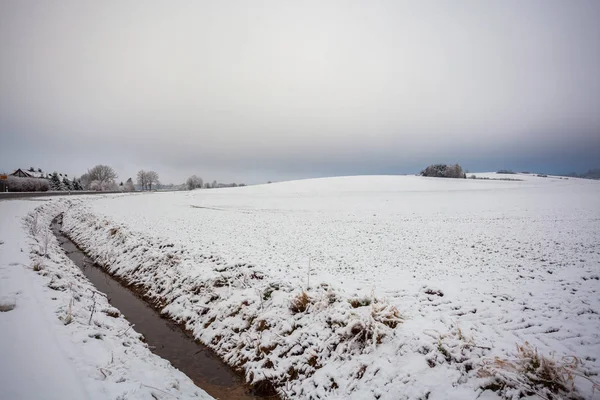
(165, 338)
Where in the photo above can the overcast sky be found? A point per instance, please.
(272, 90)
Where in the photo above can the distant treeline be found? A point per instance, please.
(591, 174)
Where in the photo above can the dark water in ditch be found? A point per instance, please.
(164, 337)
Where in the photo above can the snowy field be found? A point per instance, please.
(413, 285)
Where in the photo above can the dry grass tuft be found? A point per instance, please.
(300, 303)
(7, 305)
(387, 314)
(34, 227)
(360, 302)
(365, 332)
(112, 312)
(533, 373)
(369, 327)
(38, 266)
(262, 325)
(361, 371)
(209, 322)
(434, 292)
(263, 388)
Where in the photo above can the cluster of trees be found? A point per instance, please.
(99, 178)
(195, 182)
(444, 171)
(64, 184)
(147, 178)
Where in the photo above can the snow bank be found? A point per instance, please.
(52, 345)
(412, 284)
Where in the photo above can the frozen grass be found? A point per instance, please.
(530, 372)
(38, 265)
(300, 303)
(7, 304)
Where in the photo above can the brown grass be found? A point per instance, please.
(365, 333)
(360, 302)
(209, 322)
(300, 303)
(7, 305)
(262, 325)
(387, 314)
(534, 373)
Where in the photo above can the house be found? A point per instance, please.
(30, 173)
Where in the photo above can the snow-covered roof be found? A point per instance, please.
(26, 173)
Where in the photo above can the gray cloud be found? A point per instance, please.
(276, 90)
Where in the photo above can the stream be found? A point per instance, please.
(164, 337)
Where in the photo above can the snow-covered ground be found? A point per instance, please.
(413, 285)
(49, 346)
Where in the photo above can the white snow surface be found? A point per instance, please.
(475, 267)
(47, 348)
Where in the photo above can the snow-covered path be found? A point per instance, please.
(42, 356)
(34, 358)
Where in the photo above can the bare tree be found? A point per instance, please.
(85, 181)
(152, 177)
(102, 173)
(194, 182)
(147, 178)
(142, 179)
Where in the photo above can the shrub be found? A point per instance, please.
(17, 184)
(444, 171)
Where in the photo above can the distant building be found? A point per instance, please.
(28, 174)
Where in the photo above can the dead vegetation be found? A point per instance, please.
(38, 266)
(300, 303)
(532, 373)
(7, 305)
(112, 312)
(360, 302)
(370, 328)
(386, 314)
(434, 292)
